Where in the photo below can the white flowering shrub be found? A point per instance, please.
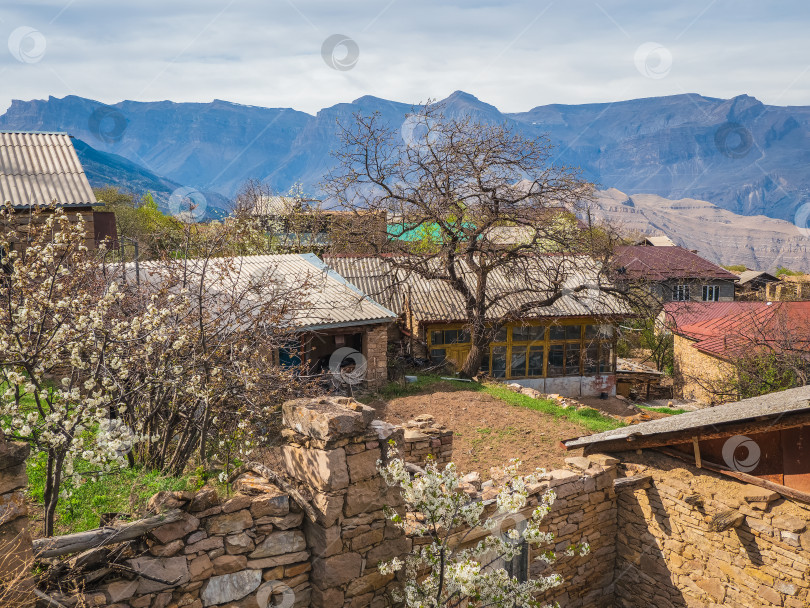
(445, 572)
(64, 349)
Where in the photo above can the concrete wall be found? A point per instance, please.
(571, 386)
(669, 556)
(664, 289)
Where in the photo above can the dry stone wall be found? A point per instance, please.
(16, 551)
(424, 440)
(671, 554)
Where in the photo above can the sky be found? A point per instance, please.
(307, 55)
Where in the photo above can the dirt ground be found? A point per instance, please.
(488, 432)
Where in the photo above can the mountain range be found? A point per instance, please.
(737, 154)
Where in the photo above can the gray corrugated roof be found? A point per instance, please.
(436, 300)
(372, 276)
(42, 168)
(330, 299)
(771, 405)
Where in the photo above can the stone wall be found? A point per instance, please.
(696, 372)
(375, 350)
(16, 553)
(424, 439)
(671, 556)
(244, 552)
(333, 449)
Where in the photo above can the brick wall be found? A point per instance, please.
(669, 556)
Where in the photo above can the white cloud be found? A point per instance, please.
(515, 55)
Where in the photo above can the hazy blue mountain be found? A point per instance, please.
(738, 153)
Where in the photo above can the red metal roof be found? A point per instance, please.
(727, 329)
(661, 263)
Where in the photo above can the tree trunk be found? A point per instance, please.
(479, 347)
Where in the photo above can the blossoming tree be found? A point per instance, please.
(449, 572)
(64, 346)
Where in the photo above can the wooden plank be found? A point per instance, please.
(758, 425)
(696, 446)
(81, 541)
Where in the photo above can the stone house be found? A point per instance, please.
(336, 316)
(43, 169)
(566, 348)
(753, 284)
(710, 337)
(716, 505)
(789, 288)
(674, 274)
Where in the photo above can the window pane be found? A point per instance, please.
(528, 333)
(535, 360)
(436, 337)
(499, 361)
(572, 352)
(485, 363)
(557, 332)
(606, 357)
(463, 336)
(450, 336)
(437, 355)
(555, 359)
(591, 331)
(500, 335)
(573, 332)
(591, 363)
(518, 361)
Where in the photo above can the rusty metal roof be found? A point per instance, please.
(765, 407)
(661, 263)
(42, 169)
(330, 300)
(434, 300)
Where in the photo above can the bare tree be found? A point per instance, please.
(477, 207)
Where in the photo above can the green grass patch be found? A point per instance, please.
(125, 491)
(590, 418)
(395, 389)
(662, 410)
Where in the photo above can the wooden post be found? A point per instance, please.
(696, 445)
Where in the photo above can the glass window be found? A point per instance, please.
(463, 336)
(556, 358)
(450, 336)
(591, 331)
(535, 361)
(485, 363)
(605, 357)
(573, 332)
(500, 335)
(572, 353)
(437, 355)
(518, 365)
(680, 293)
(528, 333)
(711, 293)
(499, 361)
(436, 337)
(591, 362)
(557, 332)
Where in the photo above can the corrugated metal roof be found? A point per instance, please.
(330, 299)
(372, 275)
(435, 300)
(661, 263)
(765, 406)
(40, 169)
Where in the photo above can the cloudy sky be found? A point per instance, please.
(515, 54)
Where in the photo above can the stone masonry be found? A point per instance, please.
(424, 439)
(16, 552)
(670, 555)
(333, 449)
